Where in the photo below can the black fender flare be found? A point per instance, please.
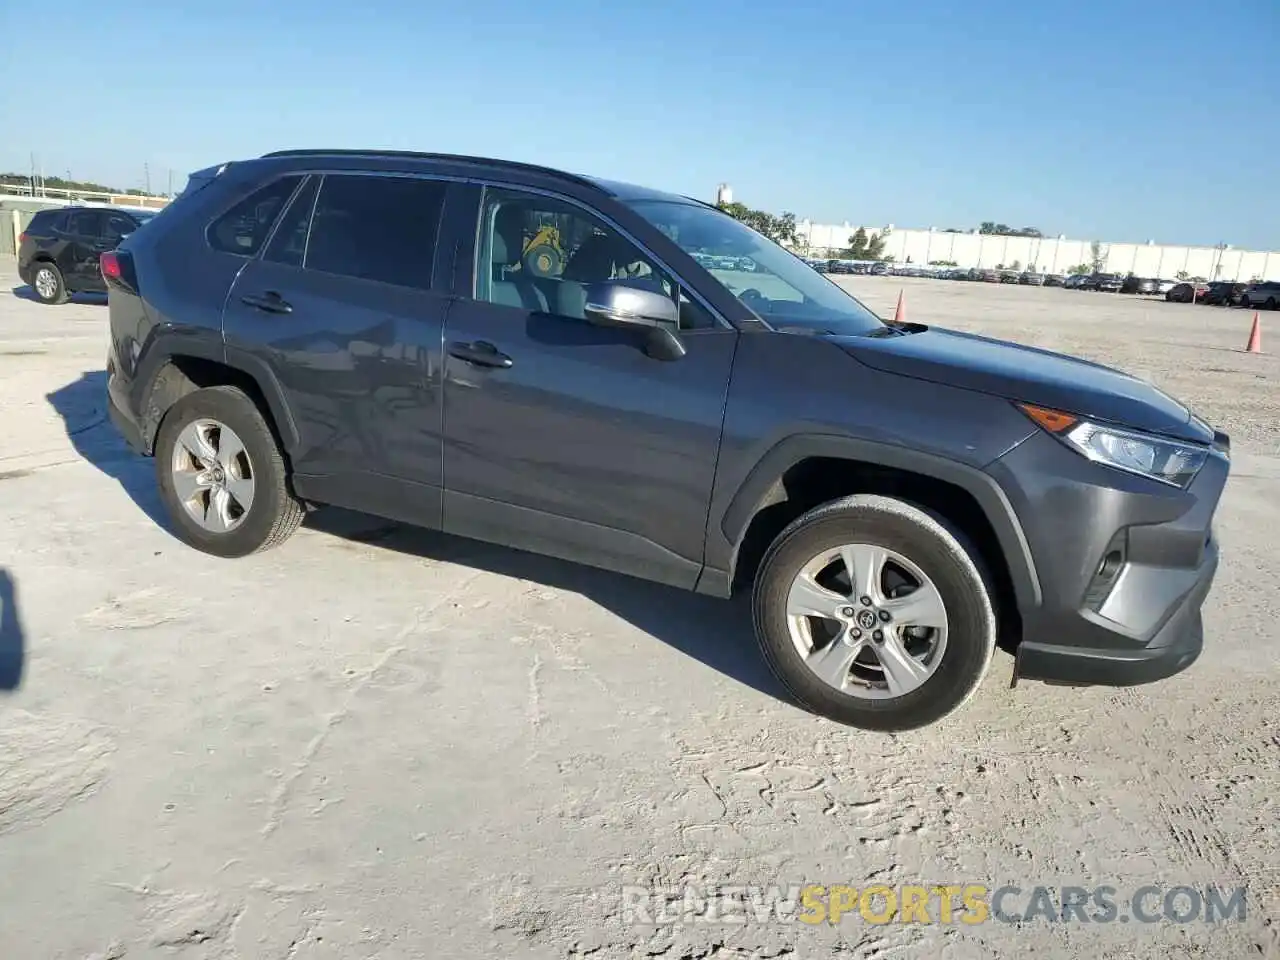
(155, 393)
(763, 485)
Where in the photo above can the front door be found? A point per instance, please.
(564, 437)
(340, 306)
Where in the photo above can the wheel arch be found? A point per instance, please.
(806, 470)
(171, 371)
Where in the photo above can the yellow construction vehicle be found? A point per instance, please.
(543, 254)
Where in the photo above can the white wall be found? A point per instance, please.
(1055, 254)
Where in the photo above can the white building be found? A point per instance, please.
(1051, 254)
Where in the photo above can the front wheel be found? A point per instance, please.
(222, 476)
(874, 614)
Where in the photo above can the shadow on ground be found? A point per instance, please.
(24, 292)
(717, 633)
(82, 405)
(12, 640)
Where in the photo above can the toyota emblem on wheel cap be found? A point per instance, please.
(866, 619)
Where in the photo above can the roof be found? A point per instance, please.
(623, 191)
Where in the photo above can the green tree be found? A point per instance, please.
(993, 229)
(778, 229)
(864, 247)
(1097, 256)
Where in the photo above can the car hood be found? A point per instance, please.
(1028, 374)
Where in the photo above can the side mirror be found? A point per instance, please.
(622, 305)
(619, 304)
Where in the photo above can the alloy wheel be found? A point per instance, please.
(867, 621)
(46, 283)
(212, 475)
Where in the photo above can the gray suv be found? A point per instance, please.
(364, 328)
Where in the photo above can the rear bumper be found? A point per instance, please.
(118, 410)
(1124, 565)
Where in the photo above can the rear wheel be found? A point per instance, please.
(1271, 303)
(873, 613)
(47, 282)
(222, 476)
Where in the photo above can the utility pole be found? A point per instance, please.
(146, 176)
(170, 193)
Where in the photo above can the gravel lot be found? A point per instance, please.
(376, 742)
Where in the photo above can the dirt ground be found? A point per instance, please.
(381, 743)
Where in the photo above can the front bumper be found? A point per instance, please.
(1124, 565)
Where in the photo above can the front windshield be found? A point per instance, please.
(775, 284)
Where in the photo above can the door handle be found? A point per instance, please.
(269, 302)
(481, 353)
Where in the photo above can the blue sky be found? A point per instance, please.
(1119, 121)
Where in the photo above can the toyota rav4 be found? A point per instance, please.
(368, 329)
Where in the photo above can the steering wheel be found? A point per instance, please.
(752, 294)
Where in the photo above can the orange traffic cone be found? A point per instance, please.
(1255, 336)
(900, 314)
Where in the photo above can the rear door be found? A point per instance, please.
(84, 244)
(340, 305)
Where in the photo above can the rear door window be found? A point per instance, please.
(85, 223)
(244, 228)
(289, 243)
(380, 228)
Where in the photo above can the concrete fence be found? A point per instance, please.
(1055, 254)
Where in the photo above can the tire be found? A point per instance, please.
(544, 261)
(1271, 303)
(938, 552)
(273, 513)
(47, 283)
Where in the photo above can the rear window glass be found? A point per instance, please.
(244, 228)
(376, 228)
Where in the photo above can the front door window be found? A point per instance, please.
(540, 254)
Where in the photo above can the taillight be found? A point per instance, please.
(110, 265)
(22, 237)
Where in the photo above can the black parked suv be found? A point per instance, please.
(58, 252)
(357, 328)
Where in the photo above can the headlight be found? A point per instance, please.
(1168, 461)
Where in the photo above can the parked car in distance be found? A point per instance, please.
(1164, 286)
(886, 512)
(1107, 282)
(58, 251)
(1032, 279)
(1221, 293)
(1186, 292)
(1054, 280)
(1082, 281)
(1139, 285)
(1265, 294)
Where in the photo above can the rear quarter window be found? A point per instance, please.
(48, 221)
(244, 228)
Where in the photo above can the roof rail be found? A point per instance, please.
(417, 155)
